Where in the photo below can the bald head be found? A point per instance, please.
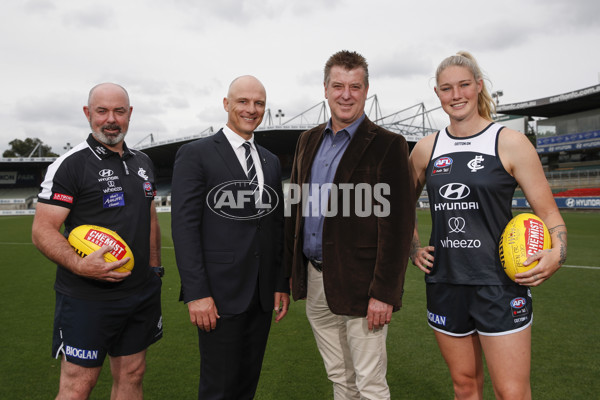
(107, 89)
(246, 82)
(245, 105)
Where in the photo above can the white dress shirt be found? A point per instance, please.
(237, 143)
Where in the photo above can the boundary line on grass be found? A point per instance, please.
(171, 248)
(579, 267)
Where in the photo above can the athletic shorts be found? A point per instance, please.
(460, 310)
(86, 330)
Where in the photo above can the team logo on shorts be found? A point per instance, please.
(518, 303)
(442, 165)
(519, 309)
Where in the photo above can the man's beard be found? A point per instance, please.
(110, 140)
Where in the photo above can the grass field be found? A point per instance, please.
(565, 353)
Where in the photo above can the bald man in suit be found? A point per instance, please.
(230, 261)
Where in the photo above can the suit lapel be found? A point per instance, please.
(310, 151)
(269, 174)
(353, 154)
(226, 152)
(266, 167)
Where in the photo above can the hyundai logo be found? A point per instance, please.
(105, 173)
(454, 191)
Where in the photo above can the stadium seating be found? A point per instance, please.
(18, 198)
(580, 192)
(574, 179)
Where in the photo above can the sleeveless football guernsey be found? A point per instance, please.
(470, 195)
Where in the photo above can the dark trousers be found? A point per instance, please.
(231, 355)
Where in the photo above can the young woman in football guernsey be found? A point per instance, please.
(472, 169)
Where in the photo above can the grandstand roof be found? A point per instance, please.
(554, 106)
(164, 153)
(278, 139)
(38, 162)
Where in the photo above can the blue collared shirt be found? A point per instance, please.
(322, 173)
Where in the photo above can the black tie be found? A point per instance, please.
(251, 169)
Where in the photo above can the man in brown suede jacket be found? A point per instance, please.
(348, 232)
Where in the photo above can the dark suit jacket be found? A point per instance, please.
(363, 257)
(217, 256)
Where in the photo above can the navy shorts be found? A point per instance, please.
(86, 330)
(460, 310)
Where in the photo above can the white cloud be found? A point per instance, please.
(90, 18)
(39, 6)
(177, 58)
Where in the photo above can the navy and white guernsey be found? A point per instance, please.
(470, 195)
(99, 187)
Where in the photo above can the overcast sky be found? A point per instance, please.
(177, 57)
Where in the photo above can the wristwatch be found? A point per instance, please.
(159, 271)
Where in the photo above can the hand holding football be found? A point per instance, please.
(523, 236)
(86, 239)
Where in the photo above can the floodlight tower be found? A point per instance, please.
(279, 114)
(496, 96)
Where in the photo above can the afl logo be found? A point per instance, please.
(105, 173)
(454, 191)
(240, 200)
(518, 303)
(443, 162)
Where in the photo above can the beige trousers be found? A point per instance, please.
(354, 357)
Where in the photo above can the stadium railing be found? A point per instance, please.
(574, 179)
